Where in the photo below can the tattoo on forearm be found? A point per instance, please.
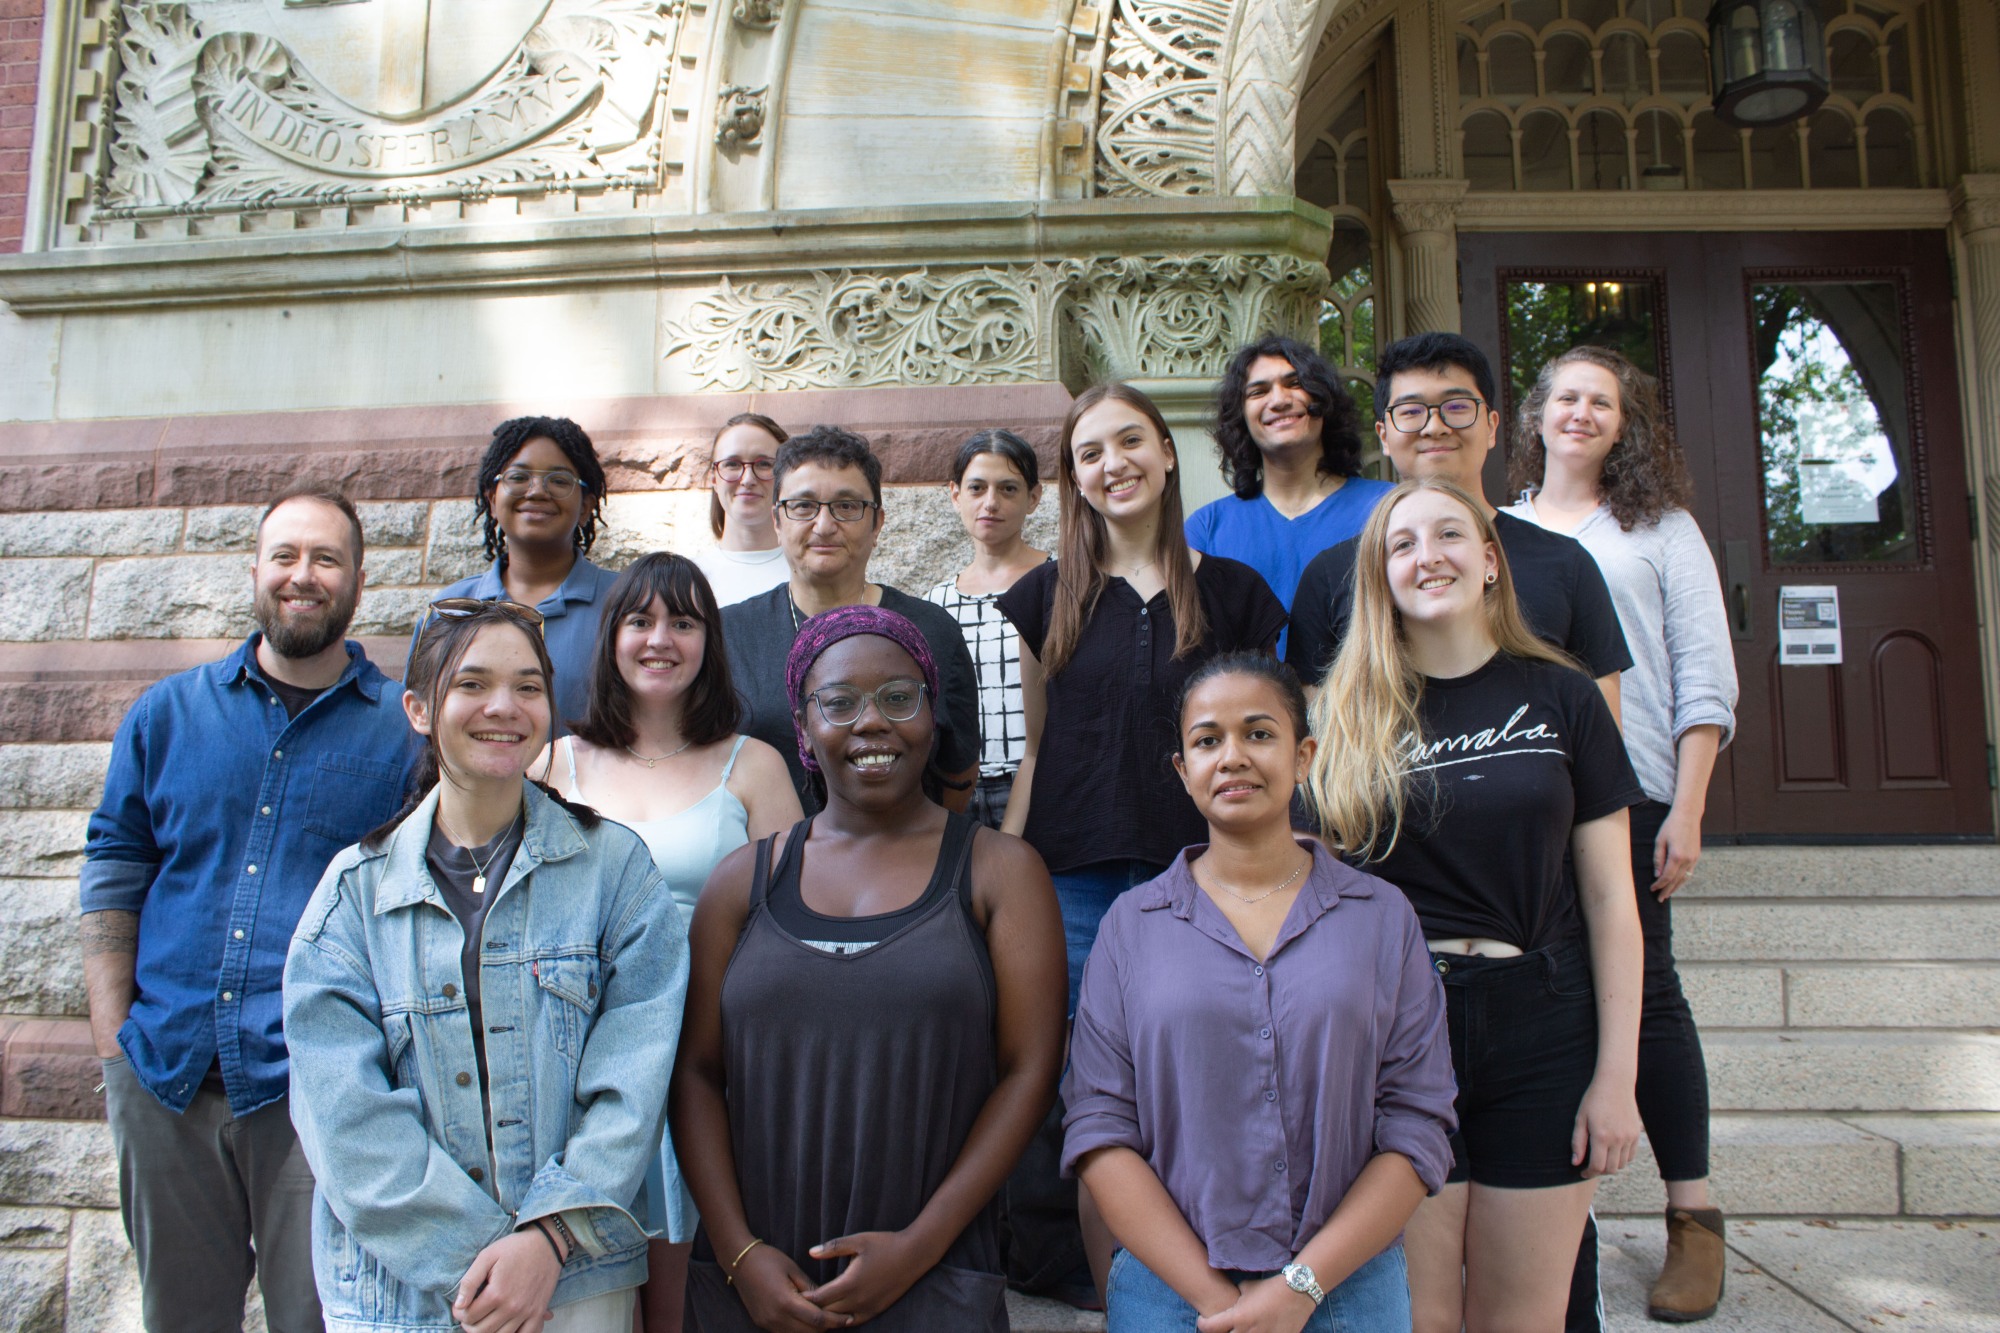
(110, 933)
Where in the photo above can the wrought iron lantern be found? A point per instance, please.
(1767, 60)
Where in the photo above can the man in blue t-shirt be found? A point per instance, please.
(1290, 439)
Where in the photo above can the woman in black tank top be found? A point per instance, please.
(874, 1025)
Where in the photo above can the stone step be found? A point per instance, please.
(1871, 1070)
(1971, 871)
(1963, 929)
(1843, 995)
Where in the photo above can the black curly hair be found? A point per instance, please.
(512, 436)
(1340, 421)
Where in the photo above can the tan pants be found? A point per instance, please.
(609, 1313)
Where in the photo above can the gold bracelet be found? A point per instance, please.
(729, 1278)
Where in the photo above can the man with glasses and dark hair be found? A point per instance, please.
(540, 497)
(828, 506)
(1434, 414)
(230, 788)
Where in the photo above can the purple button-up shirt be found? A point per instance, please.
(1257, 1090)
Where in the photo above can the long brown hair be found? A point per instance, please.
(710, 710)
(717, 516)
(1081, 544)
(1645, 474)
(1367, 714)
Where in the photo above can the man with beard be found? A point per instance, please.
(230, 788)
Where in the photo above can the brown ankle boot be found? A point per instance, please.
(1690, 1285)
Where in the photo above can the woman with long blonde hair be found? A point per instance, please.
(1460, 759)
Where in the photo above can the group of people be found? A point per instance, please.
(1253, 920)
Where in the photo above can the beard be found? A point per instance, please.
(298, 636)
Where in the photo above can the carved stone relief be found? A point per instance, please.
(1162, 81)
(227, 106)
(1143, 317)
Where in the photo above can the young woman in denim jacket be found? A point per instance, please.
(482, 1003)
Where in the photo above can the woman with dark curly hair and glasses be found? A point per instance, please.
(1290, 440)
(539, 498)
(1595, 459)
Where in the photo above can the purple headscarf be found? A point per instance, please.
(844, 622)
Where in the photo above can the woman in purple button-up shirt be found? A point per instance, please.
(1260, 1087)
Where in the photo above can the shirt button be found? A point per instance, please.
(1259, 971)
(277, 754)
(228, 995)
(1270, 1095)
(1277, 1166)
(253, 868)
(239, 934)
(267, 809)
(476, 1173)
(450, 991)
(464, 1080)
(1265, 1033)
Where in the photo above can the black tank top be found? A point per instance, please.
(853, 1082)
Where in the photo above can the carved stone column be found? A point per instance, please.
(1427, 217)
(1976, 219)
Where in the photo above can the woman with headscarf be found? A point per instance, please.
(875, 1024)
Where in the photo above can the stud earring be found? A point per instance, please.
(1492, 577)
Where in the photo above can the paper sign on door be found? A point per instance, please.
(1809, 625)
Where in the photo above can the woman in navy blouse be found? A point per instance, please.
(1260, 1087)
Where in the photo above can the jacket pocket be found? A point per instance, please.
(569, 1000)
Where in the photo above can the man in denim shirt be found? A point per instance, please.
(230, 788)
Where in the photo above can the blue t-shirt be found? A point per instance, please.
(1277, 547)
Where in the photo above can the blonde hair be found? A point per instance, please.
(1367, 713)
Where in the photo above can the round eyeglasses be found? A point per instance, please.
(897, 701)
(559, 483)
(1456, 413)
(732, 469)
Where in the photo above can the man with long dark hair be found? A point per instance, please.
(230, 788)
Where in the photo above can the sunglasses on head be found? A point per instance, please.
(458, 608)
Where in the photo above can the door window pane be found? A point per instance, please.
(1546, 319)
(1833, 417)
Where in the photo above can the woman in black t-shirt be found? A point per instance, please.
(1110, 632)
(1462, 757)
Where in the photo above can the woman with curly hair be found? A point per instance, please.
(1290, 440)
(1595, 459)
(538, 501)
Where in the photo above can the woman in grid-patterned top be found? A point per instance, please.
(995, 485)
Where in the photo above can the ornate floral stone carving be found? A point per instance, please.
(1147, 317)
(223, 105)
(1162, 83)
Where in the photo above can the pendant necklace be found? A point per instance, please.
(650, 760)
(1268, 892)
(479, 878)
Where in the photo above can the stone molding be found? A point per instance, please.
(1427, 211)
(1147, 316)
(1975, 203)
(1269, 52)
(648, 250)
(1716, 210)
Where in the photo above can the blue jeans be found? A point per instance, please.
(1085, 895)
(1374, 1299)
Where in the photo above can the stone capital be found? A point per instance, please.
(1975, 206)
(1427, 205)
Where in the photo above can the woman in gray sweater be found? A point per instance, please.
(1594, 459)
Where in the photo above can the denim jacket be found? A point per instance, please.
(584, 973)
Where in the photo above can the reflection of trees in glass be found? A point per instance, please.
(1546, 319)
(1813, 402)
(1347, 341)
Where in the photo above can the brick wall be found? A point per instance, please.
(20, 55)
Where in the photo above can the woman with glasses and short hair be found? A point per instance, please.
(747, 558)
(539, 499)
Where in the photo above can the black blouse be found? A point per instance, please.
(1104, 786)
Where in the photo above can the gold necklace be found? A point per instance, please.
(479, 878)
(656, 759)
(1268, 892)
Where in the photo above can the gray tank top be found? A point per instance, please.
(854, 1080)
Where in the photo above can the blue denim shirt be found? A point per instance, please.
(220, 813)
(569, 627)
(584, 968)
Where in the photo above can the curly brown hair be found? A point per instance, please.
(1645, 474)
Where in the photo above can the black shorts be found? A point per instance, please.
(1524, 1049)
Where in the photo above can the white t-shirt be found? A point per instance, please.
(739, 575)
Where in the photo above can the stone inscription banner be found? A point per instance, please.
(226, 104)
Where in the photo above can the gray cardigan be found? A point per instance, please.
(1669, 600)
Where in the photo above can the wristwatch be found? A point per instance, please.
(1300, 1279)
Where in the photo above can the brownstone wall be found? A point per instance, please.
(20, 56)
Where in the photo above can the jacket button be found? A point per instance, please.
(464, 1079)
(476, 1173)
(450, 991)
(593, 990)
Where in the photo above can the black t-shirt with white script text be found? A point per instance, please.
(1513, 757)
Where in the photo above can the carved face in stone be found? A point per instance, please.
(307, 577)
(862, 311)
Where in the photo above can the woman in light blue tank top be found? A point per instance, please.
(659, 752)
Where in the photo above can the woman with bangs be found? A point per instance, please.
(1469, 763)
(658, 751)
(1110, 632)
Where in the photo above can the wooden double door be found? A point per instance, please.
(1811, 380)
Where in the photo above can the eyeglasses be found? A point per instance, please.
(731, 469)
(558, 482)
(897, 701)
(844, 511)
(1457, 413)
(458, 608)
